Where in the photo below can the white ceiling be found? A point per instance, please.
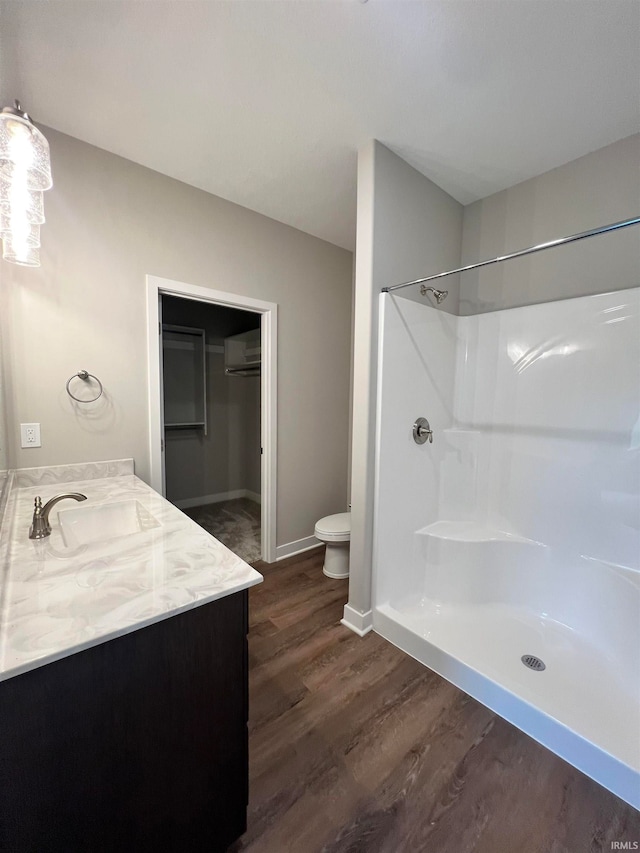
(266, 102)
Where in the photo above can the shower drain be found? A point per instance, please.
(533, 662)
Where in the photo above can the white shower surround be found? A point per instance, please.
(518, 530)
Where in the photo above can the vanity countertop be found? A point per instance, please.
(58, 598)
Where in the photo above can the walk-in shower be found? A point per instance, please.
(507, 546)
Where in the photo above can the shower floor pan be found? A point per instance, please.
(479, 619)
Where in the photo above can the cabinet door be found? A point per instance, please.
(137, 744)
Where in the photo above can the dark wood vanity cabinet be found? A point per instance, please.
(137, 744)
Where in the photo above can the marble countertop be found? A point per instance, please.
(57, 599)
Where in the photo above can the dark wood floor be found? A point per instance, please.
(356, 748)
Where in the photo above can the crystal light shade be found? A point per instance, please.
(26, 256)
(24, 152)
(5, 223)
(21, 232)
(25, 171)
(16, 199)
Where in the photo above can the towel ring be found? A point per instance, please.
(85, 376)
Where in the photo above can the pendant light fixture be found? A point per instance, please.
(25, 173)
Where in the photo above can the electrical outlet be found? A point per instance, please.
(30, 435)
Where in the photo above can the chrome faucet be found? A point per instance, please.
(40, 527)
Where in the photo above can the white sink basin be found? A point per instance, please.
(86, 526)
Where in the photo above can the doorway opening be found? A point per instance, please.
(211, 392)
(212, 411)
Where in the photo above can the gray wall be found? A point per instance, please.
(109, 223)
(227, 458)
(406, 225)
(597, 189)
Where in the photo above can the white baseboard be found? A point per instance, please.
(359, 623)
(289, 549)
(188, 503)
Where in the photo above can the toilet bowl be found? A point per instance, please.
(335, 531)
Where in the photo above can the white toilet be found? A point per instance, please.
(335, 531)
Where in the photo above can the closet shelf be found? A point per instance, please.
(242, 353)
(194, 425)
(184, 377)
(249, 370)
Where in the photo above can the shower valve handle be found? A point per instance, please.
(422, 432)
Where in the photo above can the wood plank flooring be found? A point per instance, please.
(354, 747)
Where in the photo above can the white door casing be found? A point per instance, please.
(156, 287)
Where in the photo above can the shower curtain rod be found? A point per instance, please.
(615, 226)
